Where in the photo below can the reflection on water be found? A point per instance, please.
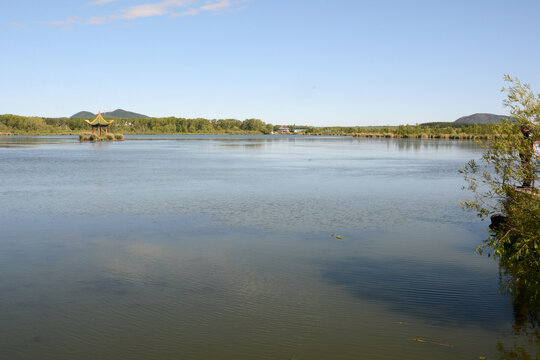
(524, 286)
(433, 291)
(199, 247)
(33, 141)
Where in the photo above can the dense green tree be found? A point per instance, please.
(493, 180)
(253, 125)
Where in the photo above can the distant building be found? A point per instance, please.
(283, 130)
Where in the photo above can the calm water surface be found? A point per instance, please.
(224, 247)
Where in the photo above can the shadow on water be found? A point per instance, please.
(524, 287)
(438, 293)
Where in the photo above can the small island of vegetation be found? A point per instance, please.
(108, 137)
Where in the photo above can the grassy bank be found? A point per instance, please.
(425, 131)
(453, 136)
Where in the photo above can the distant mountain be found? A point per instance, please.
(118, 113)
(83, 115)
(481, 119)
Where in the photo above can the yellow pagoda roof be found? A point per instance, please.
(99, 120)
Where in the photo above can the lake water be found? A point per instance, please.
(244, 247)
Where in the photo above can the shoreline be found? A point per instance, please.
(86, 136)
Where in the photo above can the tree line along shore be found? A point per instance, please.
(24, 125)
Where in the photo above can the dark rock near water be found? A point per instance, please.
(497, 221)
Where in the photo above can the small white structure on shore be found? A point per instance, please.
(283, 130)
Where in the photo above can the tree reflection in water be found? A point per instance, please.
(524, 285)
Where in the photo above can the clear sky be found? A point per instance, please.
(313, 62)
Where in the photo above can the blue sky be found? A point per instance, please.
(313, 62)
